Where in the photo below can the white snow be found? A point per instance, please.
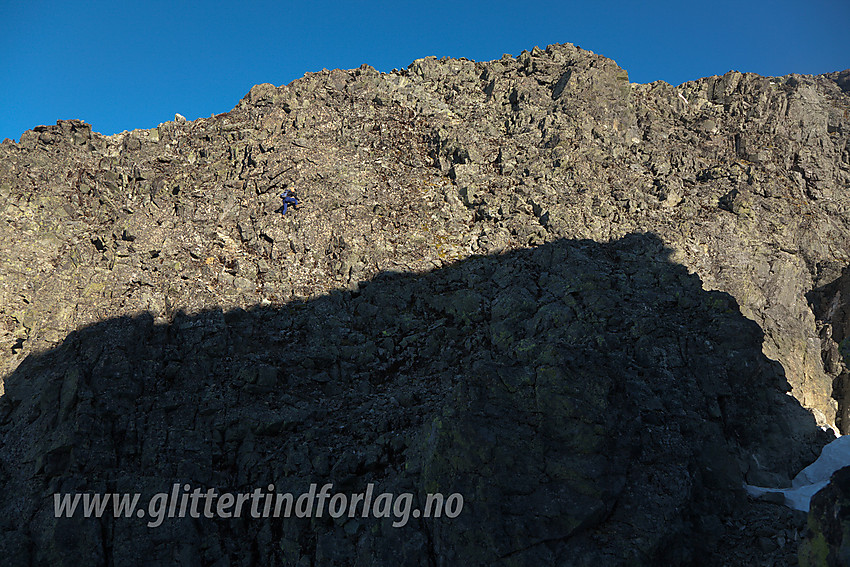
(811, 479)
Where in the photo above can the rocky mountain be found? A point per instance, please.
(594, 309)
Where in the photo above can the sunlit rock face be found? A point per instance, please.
(594, 309)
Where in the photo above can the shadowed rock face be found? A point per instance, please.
(827, 541)
(831, 305)
(590, 402)
(525, 206)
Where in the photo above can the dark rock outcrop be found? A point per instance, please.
(827, 542)
(497, 283)
(590, 402)
(831, 305)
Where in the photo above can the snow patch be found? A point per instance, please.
(836, 455)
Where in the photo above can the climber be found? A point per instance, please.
(287, 200)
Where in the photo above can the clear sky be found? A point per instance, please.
(121, 66)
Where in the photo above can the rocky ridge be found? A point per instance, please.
(528, 280)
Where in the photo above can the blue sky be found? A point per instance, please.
(121, 66)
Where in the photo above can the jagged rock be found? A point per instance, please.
(827, 542)
(516, 252)
(575, 392)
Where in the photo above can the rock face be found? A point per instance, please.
(827, 542)
(831, 305)
(592, 308)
